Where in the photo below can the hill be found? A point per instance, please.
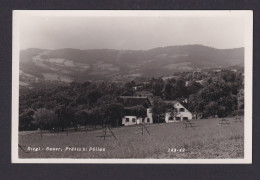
(67, 65)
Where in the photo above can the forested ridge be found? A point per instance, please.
(68, 65)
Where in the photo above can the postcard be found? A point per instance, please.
(142, 87)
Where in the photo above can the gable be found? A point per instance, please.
(176, 104)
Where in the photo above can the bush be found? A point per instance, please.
(239, 112)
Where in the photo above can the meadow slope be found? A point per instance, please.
(207, 140)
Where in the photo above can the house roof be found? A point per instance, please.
(144, 93)
(171, 102)
(132, 101)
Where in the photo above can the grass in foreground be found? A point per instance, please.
(207, 140)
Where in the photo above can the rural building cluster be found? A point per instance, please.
(131, 102)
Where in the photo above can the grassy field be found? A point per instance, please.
(207, 140)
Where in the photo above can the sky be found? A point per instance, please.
(131, 33)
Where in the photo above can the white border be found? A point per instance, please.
(246, 14)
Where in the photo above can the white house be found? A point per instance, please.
(131, 120)
(130, 102)
(181, 113)
(187, 83)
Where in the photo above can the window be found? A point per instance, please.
(185, 118)
(148, 119)
(133, 120)
(170, 118)
(178, 118)
(126, 119)
(182, 109)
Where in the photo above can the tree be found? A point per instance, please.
(130, 85)
(65, 116)
(180, 90)
(113, 113)
(167, 91)
(196, 104)
(158, 109)
(93, 97)
(43, 118)
(157, 86)
(97, 116)
(193, 87)
(174, 90)
(211, 109)
(81, 118)
(169, 108)
(240, 99)
(140, 112)
(26, 119)
(216, 98)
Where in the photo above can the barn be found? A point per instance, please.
(181, 113)
(132, 102)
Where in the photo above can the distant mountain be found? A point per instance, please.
(67, 65)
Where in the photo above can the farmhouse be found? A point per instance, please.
(180, 114)
(187, 83)
(132, 102)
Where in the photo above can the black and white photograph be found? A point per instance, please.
(130, 86)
